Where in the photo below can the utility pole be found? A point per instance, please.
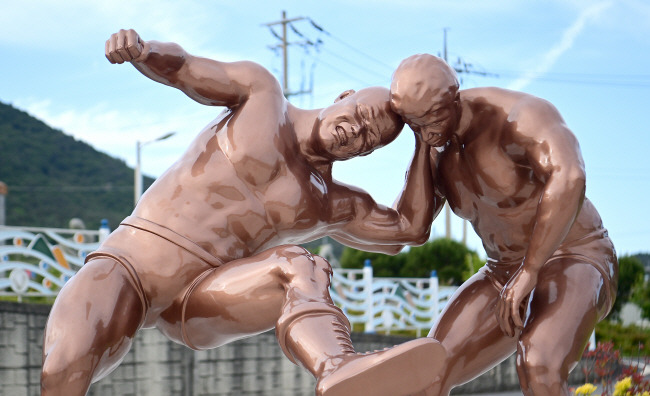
(3, 193)
(461, 67)
(137, 179)
(444, 44)
(447, 208)
(284, 45)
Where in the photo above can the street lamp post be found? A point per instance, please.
(137, 182)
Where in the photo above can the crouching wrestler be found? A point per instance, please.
(208, 255)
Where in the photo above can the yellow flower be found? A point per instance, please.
(586, 390)
(621, 387)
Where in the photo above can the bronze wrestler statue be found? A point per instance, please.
(506, 162)
(204, 256)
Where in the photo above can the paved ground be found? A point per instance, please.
(512, 393)
(515, 393)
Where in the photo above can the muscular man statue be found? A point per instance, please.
(506, 162)
(201, 257)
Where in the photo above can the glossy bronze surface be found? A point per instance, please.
(506, 162)
(208, 255)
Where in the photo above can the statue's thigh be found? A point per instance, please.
(245, 297)
(92, 323)
(470, 333)
(564, 309)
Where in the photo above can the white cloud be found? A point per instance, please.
(567, 40)
(65, 24)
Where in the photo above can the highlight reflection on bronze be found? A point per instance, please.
(506, 162)
(207, 255)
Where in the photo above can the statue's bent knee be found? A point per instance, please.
(301, 262)
(542, 366)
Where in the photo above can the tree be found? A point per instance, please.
(383, 265)
(641, 297)
(641, 293)
(453, 261)
(630, 277)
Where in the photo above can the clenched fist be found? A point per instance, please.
(126, 46)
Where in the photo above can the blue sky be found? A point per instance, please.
(590, 58)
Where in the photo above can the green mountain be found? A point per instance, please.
(53, 177)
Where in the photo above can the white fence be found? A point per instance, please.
(389, 304)
(36, 262)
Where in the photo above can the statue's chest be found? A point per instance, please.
(294, 203)
(482, 173)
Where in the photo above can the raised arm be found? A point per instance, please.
(554, 155)
(207, 81)
(374, 227)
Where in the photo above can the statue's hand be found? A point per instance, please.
(510, 312)
(125, 46)
(416, 131)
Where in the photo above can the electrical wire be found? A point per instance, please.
(67, 189)
(344, 73)
(383, 76)
(377, 61)
(630, 81)
(348, 61)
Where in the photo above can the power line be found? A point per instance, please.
(299, 34)
(318, 47)
(342, 72)
(69, 188)
(377, 61)
(337, 56)
(308, 42)
(461, 67)
(587, 75)
(632, 81)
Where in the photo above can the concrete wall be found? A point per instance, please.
(21, 334)
(156, 366)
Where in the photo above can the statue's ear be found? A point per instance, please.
(344, 94)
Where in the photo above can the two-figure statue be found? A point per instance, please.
(209, 254)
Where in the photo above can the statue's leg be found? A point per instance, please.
(289, 287)
(316, 336)
(90, 328)
(470, 333)
(568, 301)
(244, 297)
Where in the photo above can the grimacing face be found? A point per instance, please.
(357, 124)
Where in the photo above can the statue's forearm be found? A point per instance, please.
(558, 208)
(418, 202)
(161, 61)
